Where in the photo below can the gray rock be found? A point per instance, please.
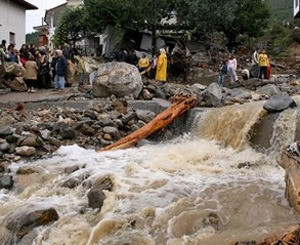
(5, 131)
(128, 117)
(104, 183)
(4, 147)
(240, 94)
(91, 114)
(54, 141)
(147, 95)
(107, 121)
(72, 183)
(13, 69)
(114, 114)
(26, 170)
(66, 132)
(145, 116)
(279, 102)
(6, 182)
(45, 133)
(114, 132)
(213, 95)
(119, 79)
(18, 84)
(155, 105)
(25, 151)
(12, 138)
(96, 198)
(72, 169)
(268, 90)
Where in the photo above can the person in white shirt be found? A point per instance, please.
(255, 67)
(232, 66)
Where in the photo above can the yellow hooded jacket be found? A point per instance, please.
(161, 72)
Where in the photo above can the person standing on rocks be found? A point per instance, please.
(81, 70)
(263, 61)
(222, 74)
(162, 65)
(255, 67)
(144, 64)
(61, 70)
(232, 66)
(31, 74)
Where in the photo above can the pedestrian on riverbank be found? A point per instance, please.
(61, 70)
(255, 66)
(44, 70)
(162, 65)
(31, 74)
(222, 73)
(232, 66)
(81, 70)
(263, 61)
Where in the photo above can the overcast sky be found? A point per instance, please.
(34, 17)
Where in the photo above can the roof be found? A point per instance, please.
(53, 10)
(24, 4)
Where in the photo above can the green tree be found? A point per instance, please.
(72, 27)
(33, 38)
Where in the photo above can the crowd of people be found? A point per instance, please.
(261, 68)
(44, 69)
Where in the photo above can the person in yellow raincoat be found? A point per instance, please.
(162, 64)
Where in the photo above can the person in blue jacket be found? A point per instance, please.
(61, 70)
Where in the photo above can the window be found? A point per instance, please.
(12, 37)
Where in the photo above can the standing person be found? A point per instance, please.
(162, 65)
(81, 70)
(144, 63)
(61, 70)
(232, 66)
(263, 62)
(255, 67)
(53, 65)
(31, 74)
(44, 70)
(3, 45)
(223, 73)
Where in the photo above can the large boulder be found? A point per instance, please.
(119, 79)
(279, 102)
(268, 90)
(13, 69)
(18, 84)
(213, 95)
(23, 220)
(5, 131)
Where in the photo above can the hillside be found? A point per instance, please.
(282, 9)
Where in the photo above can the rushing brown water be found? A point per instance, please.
(188, 191)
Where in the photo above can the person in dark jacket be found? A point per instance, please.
(222, 73)
(61, 70)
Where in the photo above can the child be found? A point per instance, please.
(223, 72)
(31, 74)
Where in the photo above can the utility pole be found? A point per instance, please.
(154, 19)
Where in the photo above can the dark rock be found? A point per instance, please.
(12, 148)
(6, 182)
(4, 147)
(269, 90)
(213, 95)
(87, 130)
(90, 114)
(21, 222)
(54, 141)
(244, 165)
(147, 95)
(240, 94)
(279, 102)
(12, 138)
(114, 114)
(114, 132)
(4, 166)
(105, 142)
(72, 169)
(107, 121)
(96, 198)
(66, 132)
(72, 183)
(5, 131)
(145, 116)
(128, 117)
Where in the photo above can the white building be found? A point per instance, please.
(296, 8)
(13, 20)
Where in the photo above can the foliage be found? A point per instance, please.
(33, 38)
(72, 27)
(282, 10)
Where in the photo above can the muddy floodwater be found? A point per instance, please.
(207, 187)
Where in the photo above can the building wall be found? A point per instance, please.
(296, 8)
(12, 19)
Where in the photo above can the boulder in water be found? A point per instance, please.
(72, 169)
(279, 102)
(119, 79)
(6, 182)
(268, 90)
(21, 222)
(213, 95)
(96, 198)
